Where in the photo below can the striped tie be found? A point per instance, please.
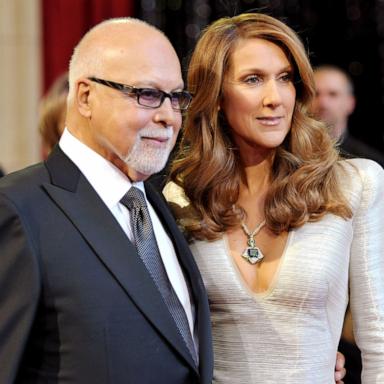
(148, 251)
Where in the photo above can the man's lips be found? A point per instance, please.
(156, 137)
(155, 140)
(162, 139)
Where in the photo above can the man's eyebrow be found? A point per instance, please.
(153, 84)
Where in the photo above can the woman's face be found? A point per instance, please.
(258, 95)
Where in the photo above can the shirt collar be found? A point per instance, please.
(108, 181)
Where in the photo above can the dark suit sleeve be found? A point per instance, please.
(19, 289)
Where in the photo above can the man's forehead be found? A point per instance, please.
(331, 81)
(131, 53)
(330, 76)
(140, 68)
(122, 40)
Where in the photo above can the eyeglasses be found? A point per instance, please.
(150, 97)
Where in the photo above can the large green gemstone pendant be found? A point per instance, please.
(252, 253)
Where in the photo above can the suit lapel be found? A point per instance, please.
(81, 204)
(194, 279)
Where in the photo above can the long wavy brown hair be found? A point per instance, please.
(305, 167)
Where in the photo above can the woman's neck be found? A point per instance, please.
(256, 177)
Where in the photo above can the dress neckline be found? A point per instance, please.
(275, 279)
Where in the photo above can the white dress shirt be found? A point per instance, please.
(111, 185)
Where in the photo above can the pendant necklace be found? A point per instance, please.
(252, 253)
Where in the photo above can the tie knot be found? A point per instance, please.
(134, 198)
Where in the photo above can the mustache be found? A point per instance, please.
(159, 133)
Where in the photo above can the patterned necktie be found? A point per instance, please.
(148, 251)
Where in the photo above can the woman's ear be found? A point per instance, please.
(83, 99)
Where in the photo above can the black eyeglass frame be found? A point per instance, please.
(160, 95)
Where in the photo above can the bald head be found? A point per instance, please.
(105, 42)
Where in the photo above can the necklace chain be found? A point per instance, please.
(252, 253)
(255, 231)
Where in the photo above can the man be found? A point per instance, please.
(92, 291)
(334, 103)
(52, 114)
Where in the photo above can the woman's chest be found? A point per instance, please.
(314, 261)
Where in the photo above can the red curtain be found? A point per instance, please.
(65, 21)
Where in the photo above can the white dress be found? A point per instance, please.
(290, 333)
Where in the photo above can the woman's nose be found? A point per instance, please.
(272, 96)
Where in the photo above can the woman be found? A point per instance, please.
(280, 225)
(52, 114)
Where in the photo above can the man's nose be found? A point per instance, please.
(167, 115)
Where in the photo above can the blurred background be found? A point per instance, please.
(37, 38)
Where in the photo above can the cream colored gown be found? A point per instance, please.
(290, 333)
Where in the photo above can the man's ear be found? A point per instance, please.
(351, 104)
(83, 98)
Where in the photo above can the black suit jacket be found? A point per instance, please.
(76, 303)
(352, 147)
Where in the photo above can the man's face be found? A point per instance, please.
(333, 102)
(136, 138)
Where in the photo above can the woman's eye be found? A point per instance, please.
(253, 79)
(286, 77)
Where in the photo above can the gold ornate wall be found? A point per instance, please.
(20, 82)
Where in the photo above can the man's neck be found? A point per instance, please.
(340, 130)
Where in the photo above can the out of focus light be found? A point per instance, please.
(355, 68)
(192, 31)
(174, 5)
(353, 13)
(148, 5)
(203, 10)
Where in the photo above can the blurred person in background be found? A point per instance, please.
(334, 103)
(52, 114)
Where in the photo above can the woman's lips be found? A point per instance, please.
(270, 120)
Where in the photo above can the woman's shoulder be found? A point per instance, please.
(364, 169)
(180, 205)
(362, 177)
(174, 194)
